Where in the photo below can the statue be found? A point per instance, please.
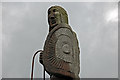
(60, 56)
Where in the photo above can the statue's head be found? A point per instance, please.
(56, 15)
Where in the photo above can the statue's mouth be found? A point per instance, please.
(53, 21)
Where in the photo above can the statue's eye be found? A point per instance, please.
(54, 10)
(49, 12)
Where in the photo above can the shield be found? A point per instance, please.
(59, 51)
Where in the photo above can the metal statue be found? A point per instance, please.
(60, 56)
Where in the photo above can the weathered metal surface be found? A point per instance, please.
(61, 51)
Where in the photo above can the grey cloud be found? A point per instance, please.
(0, 39)
(25, 29)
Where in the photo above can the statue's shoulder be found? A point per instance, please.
(61, 25)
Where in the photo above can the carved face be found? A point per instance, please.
(56, 15)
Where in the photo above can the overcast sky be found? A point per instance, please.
(25, 28)
(0, 40)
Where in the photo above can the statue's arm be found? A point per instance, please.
(77, 54)
(77, 43)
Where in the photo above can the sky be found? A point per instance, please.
(25, 28)
(0, 39)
